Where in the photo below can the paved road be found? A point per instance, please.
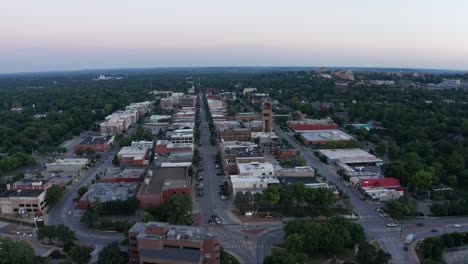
(229, 232)
(374, 223)
(59, 213)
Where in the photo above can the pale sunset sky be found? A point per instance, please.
(45, 35)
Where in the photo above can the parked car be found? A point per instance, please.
(420, 224)
(434, 230)
(223, 197)
(222, 193)
(456, 226)
(405, 248)
(394, 224)
(199, 178)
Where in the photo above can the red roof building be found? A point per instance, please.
(389, 183)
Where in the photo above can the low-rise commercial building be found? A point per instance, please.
(321, 137)
(188, 101)
(108, 191)
(129, 174)
(164, 147)
(21, 202)
(163, 182)
(133, 156)
(349, 156)
(182, 138)
(30, 185)
(156, 242)
(96, 143)
(67, 165)
(253, 177)
(283, 151)
(312, 124)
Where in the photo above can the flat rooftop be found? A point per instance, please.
(312, 122)
(21, 193)
(244, 152)
(70, 161)
(291, 180)
(129, 172)
(325, 135)
(192, 233)
(252, 166)
(96, 140)
(349, 156)
(110, 191)
(154, 184)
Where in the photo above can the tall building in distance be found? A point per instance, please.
(267, 116)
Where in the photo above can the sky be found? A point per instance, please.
(47, 35)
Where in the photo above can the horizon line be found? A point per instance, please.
(376, 68)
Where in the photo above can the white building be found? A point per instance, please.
(67, 165)
(143, 144)
(253, 177)
(182, 138)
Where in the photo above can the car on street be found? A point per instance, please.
(199, 178)
(456, 226)
(420, 224)
(434, 230)
(405, 248)
(216, 219)
(223, 197)
(394, 224)
(69, 212)
(221, 193)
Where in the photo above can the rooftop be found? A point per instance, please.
(325, 135)
(291, 180)
(116, 172)
(21, 193)
(71, 161)
(110, 191)
(176, 232)
(154, 184)
(313, 121)
(253, 166)
(93, 140)
(353, 155)
(244, 152)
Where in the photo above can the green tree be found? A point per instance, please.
(178, 210)
(295, 243)
(65, 235)
(271, 196)
(401, 207)
(368, 254)
(82, 190)
(422, 180)
(46, 231)
(147, 217)
(80, 254)
(16, 252)
(111, 254)
(53, 194)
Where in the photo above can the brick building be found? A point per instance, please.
(163, 182)
(283, 151)
(156, 242)
(96, 143)
(312, 124)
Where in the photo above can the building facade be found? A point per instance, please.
(156, 242)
